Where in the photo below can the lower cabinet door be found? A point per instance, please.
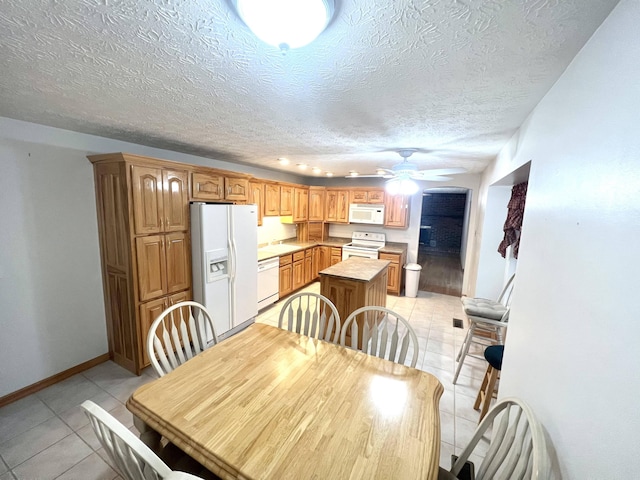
(149, 311)
(286, 285)
(298, 274)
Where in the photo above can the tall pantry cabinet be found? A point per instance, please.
(143, 222)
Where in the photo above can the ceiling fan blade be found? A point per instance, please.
(365, 176)
(442, 171)
(432, 178)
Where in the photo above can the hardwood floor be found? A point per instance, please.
(440, 274)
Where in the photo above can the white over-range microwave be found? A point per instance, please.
(366, 213)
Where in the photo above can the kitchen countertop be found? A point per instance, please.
(356, 268)
(264, 253)
(393, 247)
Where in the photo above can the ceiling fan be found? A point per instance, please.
(406, 170)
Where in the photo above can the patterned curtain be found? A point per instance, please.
(513, 223)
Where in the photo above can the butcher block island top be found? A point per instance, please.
(353, 283)
(272, 404)
(355, 268)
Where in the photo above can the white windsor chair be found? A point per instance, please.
(517, 450)
(180, 333)
(385, 334)
(311, 314)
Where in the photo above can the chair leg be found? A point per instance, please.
(487, 389)
(464, 349)
(464, 342)
(483, 387)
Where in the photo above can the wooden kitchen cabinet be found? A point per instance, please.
(308, 266)
(207, 187)
(212, 186)
(256, 196)
(395, 273)
(163, 263)
(315, 263)
(396, 212)
(300, 204)
(286, 200)
(286, 275)
(366, 196)
(160, 199)
(324, 257)
(149, 311)
(316, 204)
(143, 225)
(236, 189)
(336, 255)
(271, 199)
(337, 206)
(298, 274)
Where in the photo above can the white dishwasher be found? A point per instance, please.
(268, 281)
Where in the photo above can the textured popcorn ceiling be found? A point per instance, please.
(453, 78)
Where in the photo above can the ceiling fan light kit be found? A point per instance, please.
(400, 185)
(402, 176)
(286, 24)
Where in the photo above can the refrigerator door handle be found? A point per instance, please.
(232, 268)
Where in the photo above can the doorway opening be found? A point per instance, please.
(444, 223)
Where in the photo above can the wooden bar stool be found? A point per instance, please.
(493, 355)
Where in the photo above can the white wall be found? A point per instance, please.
(272, 230)
(51, 305)
(572, 349)
(491, 266)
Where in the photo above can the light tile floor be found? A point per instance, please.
(47, 436)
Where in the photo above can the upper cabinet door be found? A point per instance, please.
(236, 189)
(396, 212)
(358, 196)
(271, 200)
(147, 199)
(176, 200)
(375, 196)
(300, 204)
(316, 204)
(286, 200)
(256, 196)
(207, 186)
(342, 204)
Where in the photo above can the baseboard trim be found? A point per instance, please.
(58, 377)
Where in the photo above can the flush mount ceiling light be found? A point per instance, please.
(285, 23)
(283, 161)
(316, 170)
(329, 174)
(302, 166)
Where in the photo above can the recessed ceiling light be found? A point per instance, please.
(329, 174)
(381, 171)
(302, 166)
(316, 170)
(353, 173)
(283, 161)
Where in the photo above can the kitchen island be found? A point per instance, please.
(354, 283)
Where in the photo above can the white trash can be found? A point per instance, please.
(412, 279)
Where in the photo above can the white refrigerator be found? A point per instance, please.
(225, 264)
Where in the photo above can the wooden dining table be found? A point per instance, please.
(269, 403)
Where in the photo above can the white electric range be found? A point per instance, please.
(363, 244)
